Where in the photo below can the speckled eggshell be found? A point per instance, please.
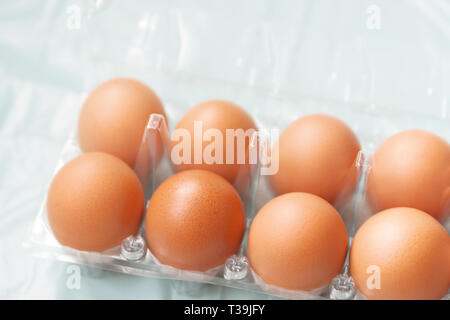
(114, 116)
(195, 221)
(401, 253)
(317, 154)
(411, 169)
(94, 202)
(220, 115)
(297, 241)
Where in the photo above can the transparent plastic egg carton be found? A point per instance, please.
(133, 256)
(171, 51)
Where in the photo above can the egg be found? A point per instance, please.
(114, 116)
(401, 253)
(317, 154)
(94, 202)
(297, 241)
(215, 117)
(195, 220)
(411, 169)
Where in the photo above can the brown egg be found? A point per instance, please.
(401, 253)
(297, 241)
(317, 154)
(195, 221)
(114, 117)
(220, 115)
(94, 202)
(411, 169)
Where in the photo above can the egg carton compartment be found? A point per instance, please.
(274, 101)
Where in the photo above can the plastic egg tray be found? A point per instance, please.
(133, 256)
(271, 103)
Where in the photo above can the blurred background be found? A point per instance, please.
(384, 61)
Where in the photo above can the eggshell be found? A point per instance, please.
(94, 202)
(411, 169)
(401, 253)
(220, 115)
(195, 221)
(114, 116)
(297, 241)
(317, 154)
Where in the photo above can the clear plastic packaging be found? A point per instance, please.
(264, 88)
